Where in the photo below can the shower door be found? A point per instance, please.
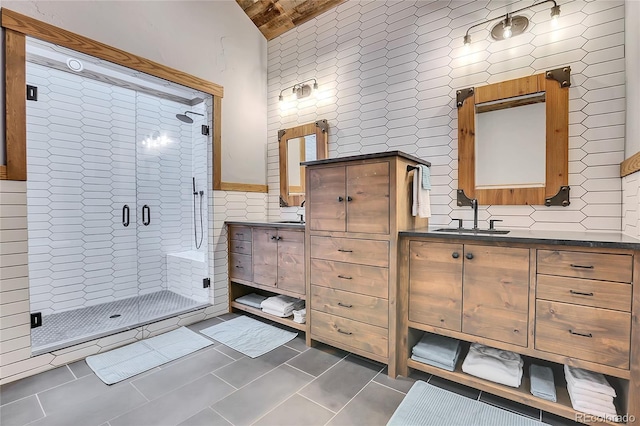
(82, 212)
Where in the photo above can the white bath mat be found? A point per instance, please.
(251, 337)
(428, 405)
(127, 361)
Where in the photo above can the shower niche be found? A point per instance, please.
(117, 196)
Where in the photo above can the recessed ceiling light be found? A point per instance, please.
(75, 64)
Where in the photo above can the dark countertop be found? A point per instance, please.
(368, 157)
(296, 225)
(565, 238)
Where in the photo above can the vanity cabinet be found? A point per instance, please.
(278, 259)
(267, 259)
(561, 303)
(478, 290)
(583, 306)
(349, 198)
(354, 208)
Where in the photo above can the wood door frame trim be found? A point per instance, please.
(18, 26)
(630, 165)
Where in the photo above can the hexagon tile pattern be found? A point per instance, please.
(388, 72)
(86, 161)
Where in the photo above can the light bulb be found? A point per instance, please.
(555, 12)
(506, 27)
(467, 40)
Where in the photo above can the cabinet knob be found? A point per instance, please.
(349, 198)
(273, 237)
(340, 199)
(279, 238)
(455, 255)
(469, 256)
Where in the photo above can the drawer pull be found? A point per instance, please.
(239, 247)
(580, 334)
(348, 333)
(239, 267)
(345, 251)
(239, 235)
(344, 277)
(573, 265)
(273, 237)
(344, 306)
(580, 293)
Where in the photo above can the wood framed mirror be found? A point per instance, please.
(306, 142)
(513, 141)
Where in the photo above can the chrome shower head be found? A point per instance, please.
(185, 118)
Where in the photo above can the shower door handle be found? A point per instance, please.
(146, 218)
(125, 215)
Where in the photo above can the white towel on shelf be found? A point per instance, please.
(276, 313)
(593, 409)
(594, 397)
(421, 197)
(592, 400)
(588, 380)
(493, 364)
(282, 303)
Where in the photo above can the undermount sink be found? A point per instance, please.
(473, 231)
(290, 221)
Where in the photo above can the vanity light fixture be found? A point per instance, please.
(301, 90)
(511, 25)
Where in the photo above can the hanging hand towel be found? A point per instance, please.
(421, 196)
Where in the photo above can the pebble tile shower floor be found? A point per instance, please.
(71, 327)
(291, 385)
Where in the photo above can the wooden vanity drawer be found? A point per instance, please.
(599, 294)
(351, 250)
(240, 247)
(581, 332)
(239, 233)
(240, 266)
(366, 337)
(596, 266)
(368, 280)
(367, 309)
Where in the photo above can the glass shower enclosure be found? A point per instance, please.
(117, 195)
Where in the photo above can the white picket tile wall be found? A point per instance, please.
(388, 72)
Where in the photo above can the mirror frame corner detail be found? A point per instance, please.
(321, 129)
(556, 143)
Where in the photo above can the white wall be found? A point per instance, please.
(388, 72)
(213, 40)
(632, 61)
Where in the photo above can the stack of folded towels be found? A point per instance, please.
(281, 305)
(436, 350)
(254, 300)
(493, 364)
(590, 392)
(300, 316)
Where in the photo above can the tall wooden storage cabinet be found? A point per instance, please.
(355, 207)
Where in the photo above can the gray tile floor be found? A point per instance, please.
(291, 385)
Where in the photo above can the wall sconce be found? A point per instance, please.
(301, 90)
(510, 24)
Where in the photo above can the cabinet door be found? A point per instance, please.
(326, 199)
(495, 296)
(368, 198)
(435, 284)
(291, 261)
(265, 256)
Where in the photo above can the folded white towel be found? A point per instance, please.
(421, 197)
(493, 364)
(282, 303)
(588, 380)
(276, 313)
(595, 397)
(596, 410)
